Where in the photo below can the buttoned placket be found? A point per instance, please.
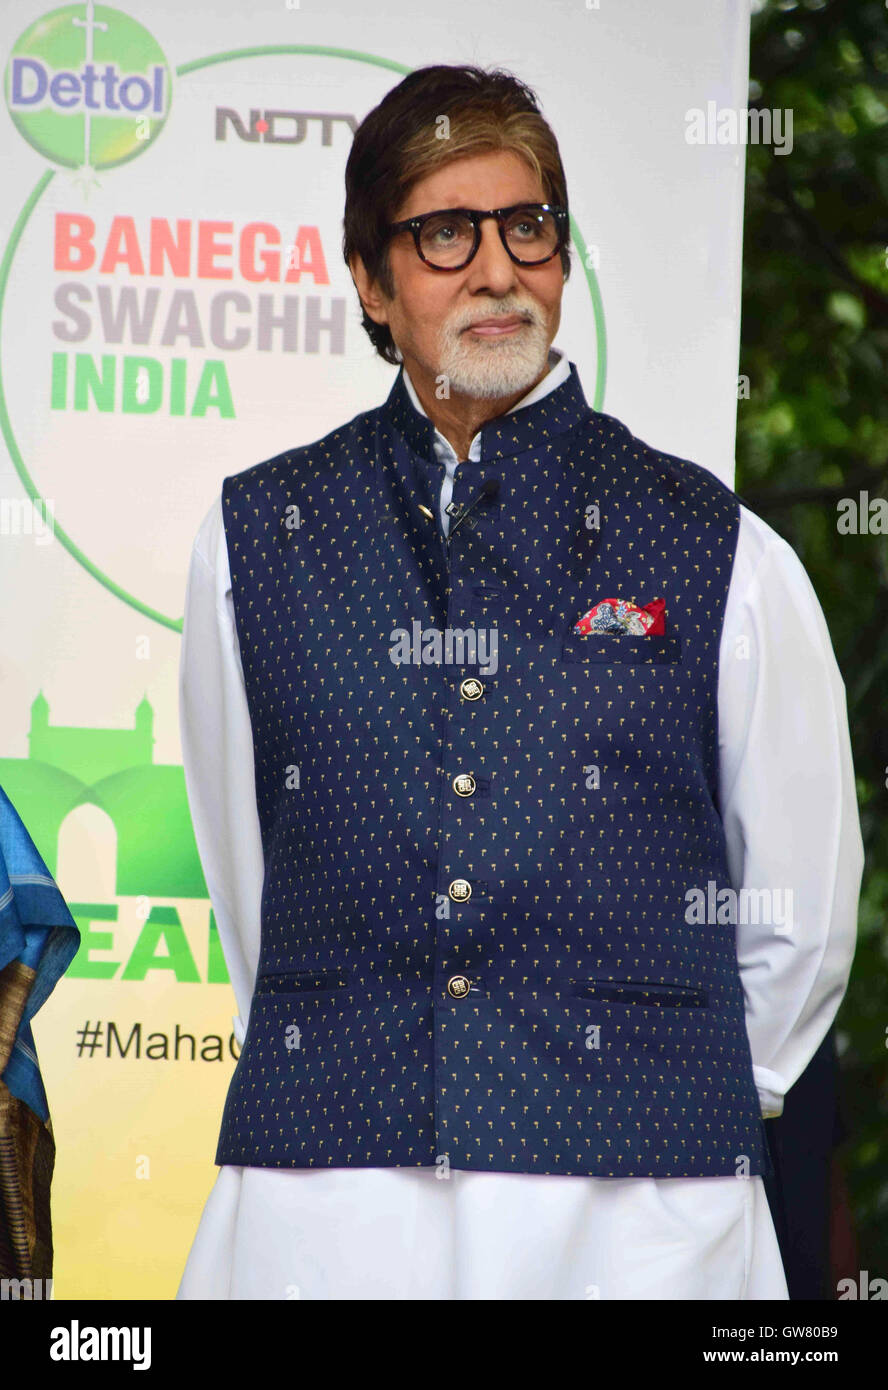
(460, 780)
(460, 489)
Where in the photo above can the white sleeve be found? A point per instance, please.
(217, 754)
(789, 806)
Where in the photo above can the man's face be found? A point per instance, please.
(432, 312)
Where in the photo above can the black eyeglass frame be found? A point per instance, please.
(415, 225)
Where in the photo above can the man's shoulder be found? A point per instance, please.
(703, 496)
(675, 476)
(354, 442)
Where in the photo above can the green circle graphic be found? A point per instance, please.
(270, 50)
(87, 86)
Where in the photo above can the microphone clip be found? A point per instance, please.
(463, 516)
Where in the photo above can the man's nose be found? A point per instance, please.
(491, 268)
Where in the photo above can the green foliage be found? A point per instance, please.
(815, 430)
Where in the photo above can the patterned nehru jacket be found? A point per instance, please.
(482, 834)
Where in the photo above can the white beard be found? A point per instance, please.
(488, 368)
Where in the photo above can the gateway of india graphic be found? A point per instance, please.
(112, 769)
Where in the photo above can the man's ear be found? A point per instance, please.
(371, 296)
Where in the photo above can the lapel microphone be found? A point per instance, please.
(489, 488)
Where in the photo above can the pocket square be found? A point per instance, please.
(621, 618)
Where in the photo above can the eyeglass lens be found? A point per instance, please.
(447, 238)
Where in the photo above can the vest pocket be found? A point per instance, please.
(657, 996)
(610, 650)
(301, 981)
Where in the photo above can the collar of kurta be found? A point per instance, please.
(521, 430)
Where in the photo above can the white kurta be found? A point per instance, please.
(790, 816)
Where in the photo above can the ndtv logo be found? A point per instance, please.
(263, 127)
(35, 86)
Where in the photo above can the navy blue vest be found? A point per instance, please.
(480, 831)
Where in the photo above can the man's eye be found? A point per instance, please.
(443, 232)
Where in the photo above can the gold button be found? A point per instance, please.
(460, 890)
(471, 689)
(464, 784)
(458, 987)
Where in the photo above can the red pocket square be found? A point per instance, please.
(620, 617)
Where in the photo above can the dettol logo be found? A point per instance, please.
(87, 86)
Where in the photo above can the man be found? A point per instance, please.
(472, 833)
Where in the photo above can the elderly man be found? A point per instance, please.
(495, 721)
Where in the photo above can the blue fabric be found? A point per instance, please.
(471, 949)
(37, 929)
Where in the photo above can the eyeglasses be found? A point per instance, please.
(532, 234)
